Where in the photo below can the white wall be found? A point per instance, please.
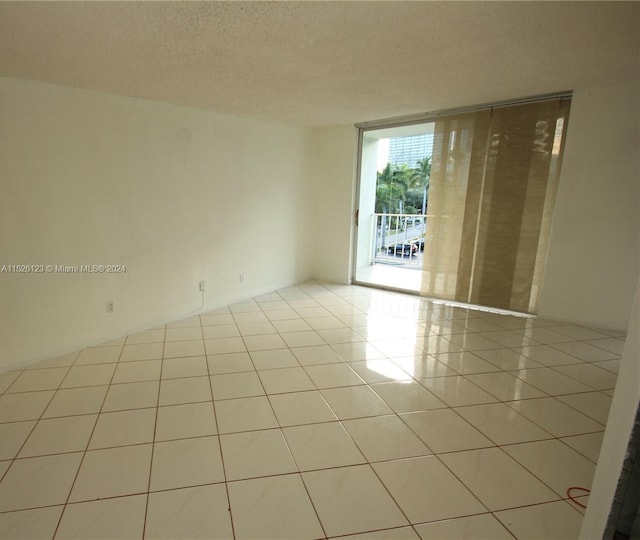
(333, 173)
(594, 256)
(594, 253)
(178, 195)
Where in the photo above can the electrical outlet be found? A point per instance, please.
(110, 306)
(241, 277)
(201, 286)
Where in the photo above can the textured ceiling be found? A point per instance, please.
(321, 63)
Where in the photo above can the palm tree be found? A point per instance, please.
(421, 175)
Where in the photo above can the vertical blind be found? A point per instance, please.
(494, 177)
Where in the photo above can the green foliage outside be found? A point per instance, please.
(401, 189)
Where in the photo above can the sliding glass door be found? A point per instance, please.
(488, 179)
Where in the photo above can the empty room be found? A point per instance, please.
(319, 270)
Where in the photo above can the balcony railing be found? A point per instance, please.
(394, 236)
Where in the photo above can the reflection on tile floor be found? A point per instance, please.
(316, 411)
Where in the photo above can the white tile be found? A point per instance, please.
(236, 385)
(23, 487)
(588, 445)
(263, 343)
(407, 396)
(556, 417)
(385, 437)
(595, 405)
(244, 414)
(74, 401)
(183, 421)
(137, 395)
(496, 479)
(189, 390)
(422, 366)
(320, 354)
(291, 325)
(505, 386)
(138, 371)
(353, 352)
(591, 375)
(379, 370)
(197, 513)
(443, 430)
(545, 355)
(457, 391)
(6, 380)
(220, 331)
(425, 490)
(557, 465)
(12, 436)
(93, 375)
(555, 521)
(27, 406)
(38, 379)
(508, 359)
(256, 453)
(229, 363)
(352, 500)
(123, 428)
(479, 527)
(274, 507)
(142, 351)
(397, 533)
(186, 462)
(273, 359)
(30, 524)
(190, 366)
(59, 435)
(112, 472)
(355, 402)
(465, 362)
(301, 408)
(256, 328)
(333, 375)
(174, 349)
(121, 517)
(550, 381)
(502, 424)
(278, 381)
(320, 446)
(183, 334)
(585, 352)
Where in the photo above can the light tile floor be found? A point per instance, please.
(316, 411)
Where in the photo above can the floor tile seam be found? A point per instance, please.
(35, 425)
(23, 371)
(516, 463)
(563, 441)
(155, 431)
(604, 371)
(218, 435)
(616, 356)
(499, 399)
(589, 389)
(86, 449)
(452, 409)
(288, 446)
(507, 403)
(554, 397)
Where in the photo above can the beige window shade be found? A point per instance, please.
(494, 176)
